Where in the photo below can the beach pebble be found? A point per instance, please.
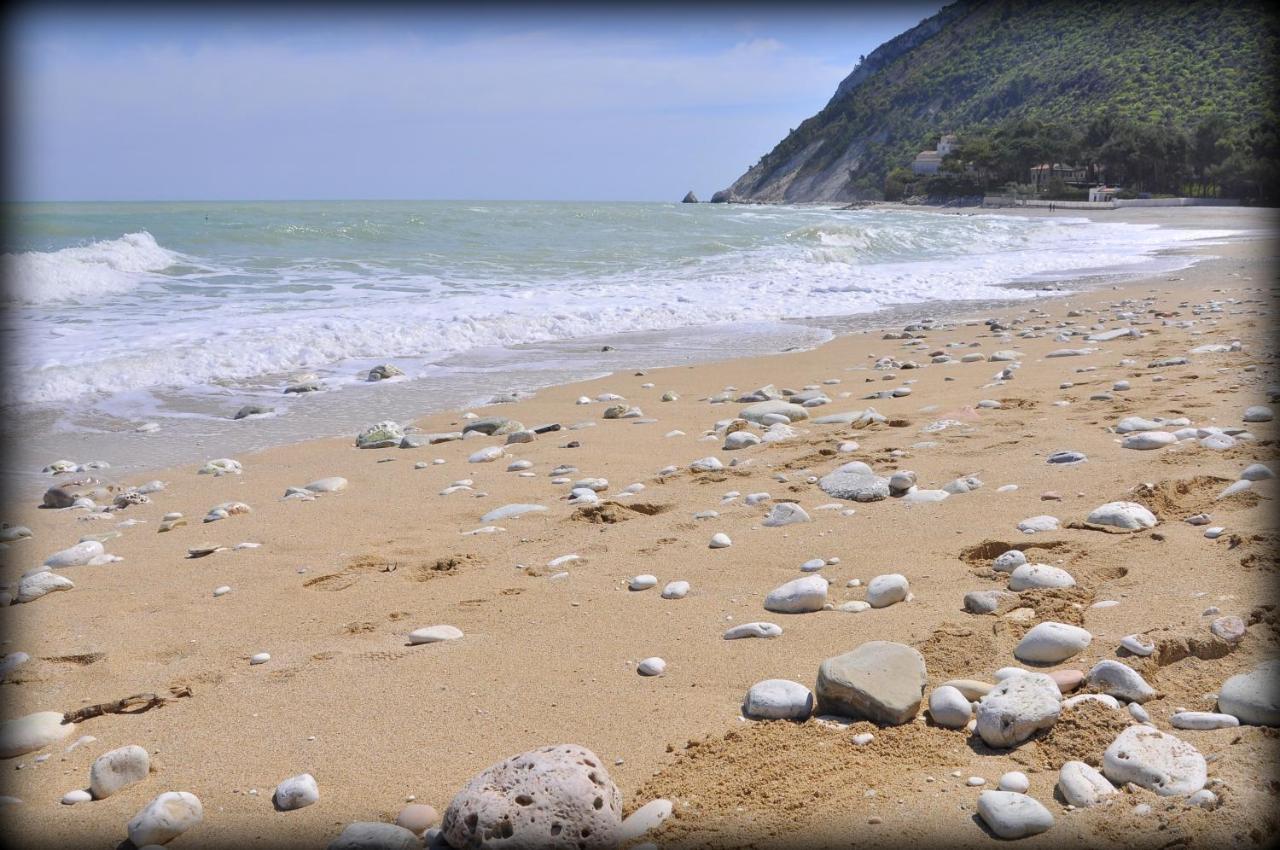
(652, 666)
(1105, 699)
(885, 590)
(1015, 781)
(778, 699)
(327, 485)
(260, 658)
(1050, 642)
(646, 818)
(1202, 720)
(221, 466)
(1252, 472)
(417, 818)
(925, 496)
(1229, 628)
(1204, 798)
(222, 590)
(375, 835)
(297, 792)
(675, 590)
(381, 435)
(1139, 645)
(707, 464)
(855, 481)
(642, 582)
(1126, 515)
(1082, 786)
(1038, 523)
(1217, 442)
(1066, 457)
(785, 513)
(75, 556)
(1035, 576)
(798, 596)
(949, 707)
(1016, 708)
(32, 587)
(1258, 413)
(901, 482)
(753, 630)
(972, 689)
(757, 412)
(720, 540)
(1012, 815)
(1253, 697)
(1147, 440)
(486, 455)
(511, 512)
(12, 662)
(165, 818)
(1009, 561)
(1214, 532)
(32, 732)
(1155, 760)
(436, 634)
(118, 769)
(984, 601)
(1119, 680)
(1138, 713)
(77, 796)
(812, 565)
(880, 681)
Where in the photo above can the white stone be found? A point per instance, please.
(375, 835)
(675, 590)
(778, 699)
(511, 512)
(1257, 472)
(486, 455)
(1009, 561)
(1018, 707)
(652, 666)
(707, 464)
(1126, 515)
(720, 540)
(1258, 413)
(1082, 786)
(1253, 697)
(1138, 644)
(1050, 642)
(1202, 720)
(1148, 440)
(75, 556)
(118, 769)
(77, 796)
(885, 590)
(949, 707)
(1119, 680)
(753, 630)
(785, 513)
(1012, 815)
(1032, 576)
(1156, 761)
(33, 586)
(1106, 699)
(165, 818)
(1044, 522)
(642, 582)
(798, 596)
(1015, 781)
(32, 732)
(260, 658)
(434, 634)
(646, 818)
(297, 792)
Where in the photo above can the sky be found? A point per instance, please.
(486, 103)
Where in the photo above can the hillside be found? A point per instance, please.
(1080, 71)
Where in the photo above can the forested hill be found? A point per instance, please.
(1078, 74)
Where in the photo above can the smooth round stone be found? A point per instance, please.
(1033, 576)
(297, 792)
(642, 820)
(1148, 440)
(1138, 645)
(118, 769)
(798, 596)
(32, 732)
(260, 658)
(1253, 697)
(75, 556)
(78, 796)
(885, 590)
(1009, 561)
(1106, 699)
(511, 512)
(375, 835)
(1214, 533)
(1050, 643)
(1138, 713)
(222, 590)
(972, 689)
(327, 485)
(1067, 457)
(785, 513)
(812, 565)
(1217, 442)
(1204, 798)
(652, 666)
(925, 496)
(165, 818)
(1258, 413)
(1018, 707)
(1202, 720)
(753, 630)
(1127, 515)
(12, 662)
(1012, 815)
(1229, 628)
(854, 606)
(740, 440)
(675, 590)
(1257, 472)
(515, 466)
(1044, 522)
(486, 455)
(642, 582)
(720, 540)
(984, 601)
(1156, 761)
(1067, 680)
(778, 699)
(435, 634)
(417, 818)
(1120, 680)
(1082, 786)
(1015, 781)
(949, 707)
(863, 738)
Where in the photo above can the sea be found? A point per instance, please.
(133, 332)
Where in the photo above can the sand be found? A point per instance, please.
(543, 661)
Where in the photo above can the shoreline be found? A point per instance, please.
(337, 583)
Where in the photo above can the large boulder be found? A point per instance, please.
(558, 796)
(880, 681)
(689, 198)
(721, 197)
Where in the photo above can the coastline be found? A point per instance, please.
(549, 661)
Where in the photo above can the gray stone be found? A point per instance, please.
(374, 835)
(253, 410)
(493, 426)
(881, 681)
(1012, 815)
(1009, 561)
(785, 513)
(984, 601)
(855, 481)
(1120, 680)
(756, 412)
(798, 596)
(949, 707)
(511, 512)
(1017, 708)
(778, 699)
(296, 792)
(1253, 697)
(1067, 457)
(554, 797)
(885, 590)
(382, 372)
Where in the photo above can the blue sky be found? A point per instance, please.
(492, 103)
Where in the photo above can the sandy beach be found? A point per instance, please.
(550, 647)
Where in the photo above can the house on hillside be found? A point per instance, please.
(1042, 174)
(928, 162)
(1103, 193)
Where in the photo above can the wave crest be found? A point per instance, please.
(100, 268)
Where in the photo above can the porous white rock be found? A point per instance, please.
(434, 634)
(1050, 642)
(1082, 786)
(1018, 707)
(1127, 515)
(856, 482)
(778, 699)
(1120, 680)
(885, 590)
(1032, 576)
(32, 732)
(1012, 815)
(1155, 760)
(949, 707)
(118, 769)
(165, 818)
(798, 596)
